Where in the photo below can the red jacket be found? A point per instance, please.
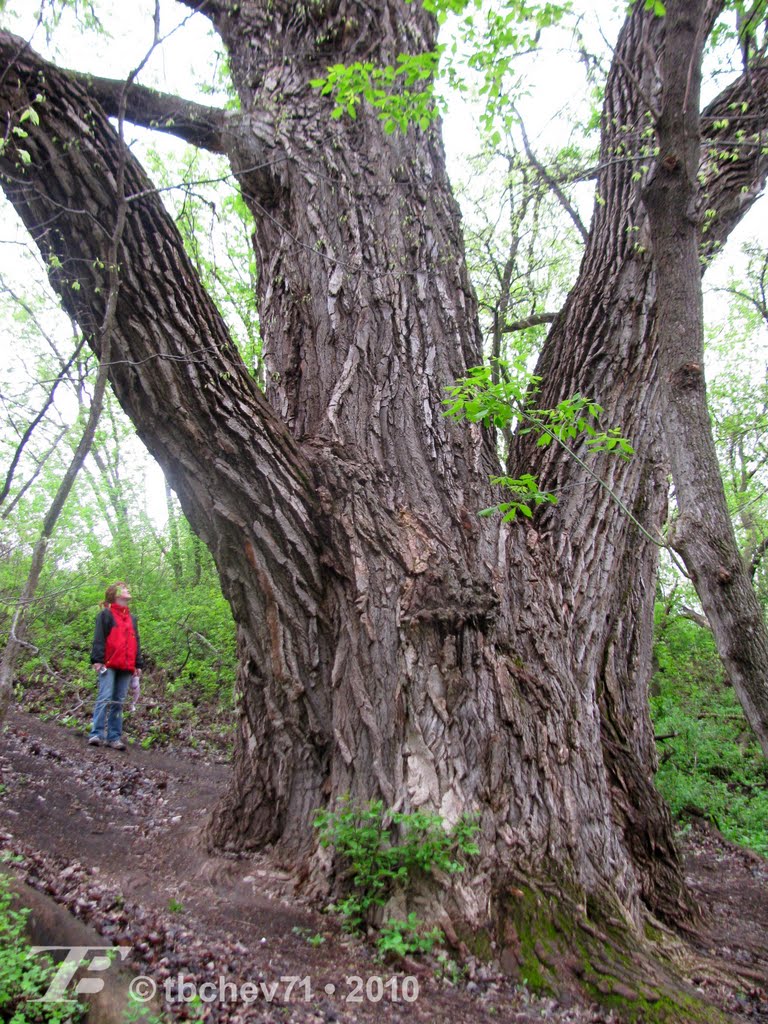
(116, 640)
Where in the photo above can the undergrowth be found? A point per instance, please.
(164, 715)
(386, 851)
(25, 977)
(710, 764)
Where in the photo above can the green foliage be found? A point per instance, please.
(387, 849)
(709, 762)
(24, 976)
(500, 396)
(404, 938)
(391, 91)
(313, 939)
(448, 969)
(187, 633)
(738, 402)
(524, 496)
(494, 40)
(487, 42)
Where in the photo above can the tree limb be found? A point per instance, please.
(199, 125)
(204, 407)
(694, 616)
(530, 321)
(565, 202)
(734, 122)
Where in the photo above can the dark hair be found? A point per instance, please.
(110, 595)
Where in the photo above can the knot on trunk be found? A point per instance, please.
(688, 377)
(440, 597)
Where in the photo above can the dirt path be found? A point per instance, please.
(117, 837)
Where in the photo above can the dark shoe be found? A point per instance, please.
(94, 741)
(116, 745)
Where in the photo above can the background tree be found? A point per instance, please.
(390, 643)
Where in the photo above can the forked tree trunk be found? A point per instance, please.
(391, 642)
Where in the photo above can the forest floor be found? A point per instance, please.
(117, 838)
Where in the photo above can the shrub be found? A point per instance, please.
(24, 976)
(386, 850)
(709, 761)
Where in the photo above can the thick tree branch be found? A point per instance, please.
(203, 406)
(694, 616)
(195, 123)
(199, 125)
(734, 161)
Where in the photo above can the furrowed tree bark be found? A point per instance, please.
(604, 344)
(391, 643)
(180, 378)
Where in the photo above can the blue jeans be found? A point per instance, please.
(108, 712)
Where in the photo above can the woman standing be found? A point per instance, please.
(116, 656)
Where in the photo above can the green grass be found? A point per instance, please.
(711, 764)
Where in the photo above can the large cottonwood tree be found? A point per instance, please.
(391, 642)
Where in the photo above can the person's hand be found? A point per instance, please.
(97, 666)
(137, 672)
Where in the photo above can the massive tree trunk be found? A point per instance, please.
(391, 642)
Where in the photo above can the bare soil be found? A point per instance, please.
(118, 838)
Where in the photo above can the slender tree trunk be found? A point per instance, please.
(115, 504)
(704, 533)
(19, 623)
(34, 422)
(391, 643)
(197, 560)
(173, 533)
